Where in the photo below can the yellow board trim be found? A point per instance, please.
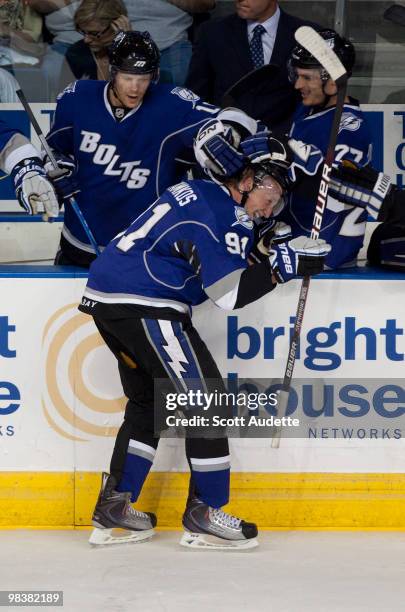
(273, 500)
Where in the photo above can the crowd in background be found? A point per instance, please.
(46, 44)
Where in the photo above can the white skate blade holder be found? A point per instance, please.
(205, 541)
(105, 537)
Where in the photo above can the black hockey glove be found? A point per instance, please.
(267, 234)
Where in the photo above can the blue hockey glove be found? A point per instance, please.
(293, 157)
(302, 256)
(263, 147)
(216, 149)
(34, 192)
(64, 178)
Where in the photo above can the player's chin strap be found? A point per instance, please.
(328, 97)
(245, 195)
(112, 82)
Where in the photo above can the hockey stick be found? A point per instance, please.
(248, 81)
(396, 14)
(315, 44)
(54, 163)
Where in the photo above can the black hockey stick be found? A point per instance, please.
(54, 163)
(396, 14)
(315, 44)
(247, 82)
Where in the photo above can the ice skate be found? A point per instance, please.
(115, 520)
(214, 529)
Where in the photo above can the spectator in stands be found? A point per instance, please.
(21, 47)
(168, 22)
(97, 21)
(59, 21)
(226, 49)
(20, 34)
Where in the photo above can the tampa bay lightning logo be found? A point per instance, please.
(185, 94)
(242, 218)
(350, 122)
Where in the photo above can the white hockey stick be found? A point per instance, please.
(317, 46)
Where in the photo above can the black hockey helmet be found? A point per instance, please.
(278, 163)
(134, 52)
(301, 58)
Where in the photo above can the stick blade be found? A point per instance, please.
(249, 81)
(396, 14)
(308, 38)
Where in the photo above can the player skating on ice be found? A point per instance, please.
(189, 245)
(119, 141)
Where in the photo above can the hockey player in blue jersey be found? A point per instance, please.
(121, 140)
(191, 244)
(23, 162)
(343, 225)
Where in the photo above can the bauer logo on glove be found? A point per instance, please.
(35, 193)
(300, 257)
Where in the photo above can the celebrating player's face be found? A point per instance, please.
(131, 88)
(309, 85)
(263, 198)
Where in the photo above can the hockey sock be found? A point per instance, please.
(132, 459)
(138, 462)
(210, 468)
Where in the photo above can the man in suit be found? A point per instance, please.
(226, 49)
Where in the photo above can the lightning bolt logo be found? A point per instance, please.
(173, 349)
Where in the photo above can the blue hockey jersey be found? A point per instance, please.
(189, 244)
(122, 165)
(343, 226)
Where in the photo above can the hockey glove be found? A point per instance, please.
(263, 146)
(35, 193)
(215, 149)
(302, 256)
(293, 157)
(267, 234)
(363, 187)
(64, 178)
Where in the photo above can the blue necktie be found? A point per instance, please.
(256, 47)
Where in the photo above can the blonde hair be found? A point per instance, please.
(100, 10)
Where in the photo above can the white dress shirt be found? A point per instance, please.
(269, 37)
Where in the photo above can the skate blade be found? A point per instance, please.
(210, 542)
(105, 537)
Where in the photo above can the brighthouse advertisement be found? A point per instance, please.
(61, 400)
(10, 396)
(348, 332)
